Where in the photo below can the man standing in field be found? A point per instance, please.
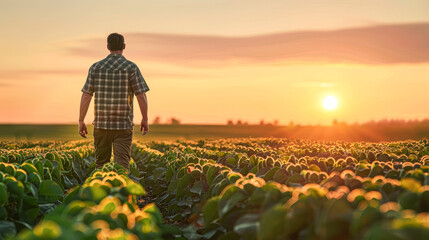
(114, 81)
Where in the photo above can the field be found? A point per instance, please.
(157, 132)
(374, 132)
(242, 188)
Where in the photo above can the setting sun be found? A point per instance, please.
(330, 102)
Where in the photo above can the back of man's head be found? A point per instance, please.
(115, 41)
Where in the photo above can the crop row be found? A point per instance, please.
(280, 189)
(32, 181)
(261, 188)
(52, 191)
(104, 207)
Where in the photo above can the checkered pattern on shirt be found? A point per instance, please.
(114, 80)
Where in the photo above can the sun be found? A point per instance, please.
(330, 102)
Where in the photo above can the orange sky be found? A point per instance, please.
(209, 61)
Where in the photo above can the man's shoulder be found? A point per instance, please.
(125, 64)
(131, 64)
(97, 64)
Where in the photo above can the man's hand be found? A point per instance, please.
(141, 98)
(82, 129)
(144, 128)
(84, 104)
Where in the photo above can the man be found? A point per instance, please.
(114, 81)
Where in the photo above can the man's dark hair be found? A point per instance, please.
(115, 42)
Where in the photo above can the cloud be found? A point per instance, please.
(26, 74)
(380, 44)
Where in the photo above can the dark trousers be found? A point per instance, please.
(121, 141)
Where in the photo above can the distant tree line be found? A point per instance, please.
(171, 121)
(262, 122)
(381, 130)
(416, 126)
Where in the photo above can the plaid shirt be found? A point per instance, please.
(114, 80)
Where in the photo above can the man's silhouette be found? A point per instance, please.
(113, 81)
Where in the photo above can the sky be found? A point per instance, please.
(207, 61)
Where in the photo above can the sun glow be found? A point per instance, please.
(330, 102)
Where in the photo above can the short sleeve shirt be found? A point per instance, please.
(113, 82)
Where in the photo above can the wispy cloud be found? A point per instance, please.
(26, 74)
(380, 44)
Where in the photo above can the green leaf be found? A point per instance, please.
(334, 219)
(210, 211)
(77, 206)
(49, 191)
(133, 169)
(47, 174)
(295, 179)
(50, 156)
(257, 197)
(29, 168)
(230, 196)
(254, 170)
(280, 176)
(16, 187)
(272, 223)
(158, 172)
(410, 200)
(169, 174)
(3, 213)
(211, 173)
(247, 226)
(411, 184)
(78, 170)
(33, 189)
(47, 229)
(220, 186)
(56, 171)
(34, 178)
(172, 186)
(95, 194)
(183, 182)
(7, 229)
(233, 177)
(23, 224)
(232, 161)
(270, 174)
(71, 195)
(198, 187)
(39, 166)
(135, 189)
(376, 170)
(48, 164)
(362, 220)
(4, 195)
(46, 207)
(30, 209)
(154, 211)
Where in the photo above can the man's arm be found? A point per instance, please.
(142, 99)
(84, 105)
